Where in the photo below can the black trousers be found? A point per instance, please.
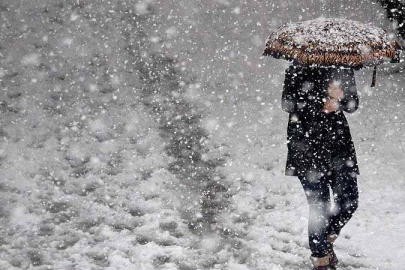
(322, 219)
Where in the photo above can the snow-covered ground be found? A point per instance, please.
(149, 135)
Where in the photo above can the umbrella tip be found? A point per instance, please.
(374, 77)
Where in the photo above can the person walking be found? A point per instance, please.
(321, 152)
(319, 87)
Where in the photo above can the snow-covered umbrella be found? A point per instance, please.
(333, 42)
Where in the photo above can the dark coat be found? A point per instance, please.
(317, 141)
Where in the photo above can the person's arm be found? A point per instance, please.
(342, 92)
(298, 96)
(290, 96)
(350, 101)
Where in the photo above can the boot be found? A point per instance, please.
(320, 263)
(333, 260)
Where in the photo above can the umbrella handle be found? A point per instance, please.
(374, 77)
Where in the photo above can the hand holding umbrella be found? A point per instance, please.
(335, 95)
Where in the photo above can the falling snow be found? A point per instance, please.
(149, 134)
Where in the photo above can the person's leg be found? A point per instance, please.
(345, 194)
(318, 197)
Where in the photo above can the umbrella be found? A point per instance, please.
(333, 42)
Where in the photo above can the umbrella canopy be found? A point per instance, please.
(328, 42)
